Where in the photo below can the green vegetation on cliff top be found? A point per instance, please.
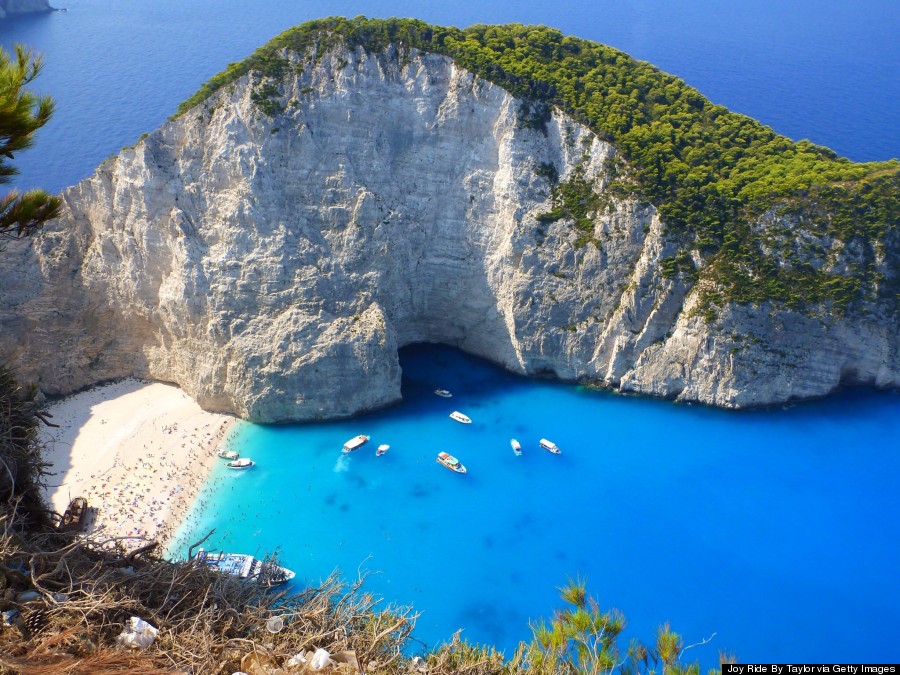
(710, 172)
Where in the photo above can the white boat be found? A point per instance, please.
(245, 567)
(516, 446)
(550, 446)
(227, 454)
(450, 462)
(382, 449)
(242, 463)
(355, 443)
(459, 417)
(443, 392)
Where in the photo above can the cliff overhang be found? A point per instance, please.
(273, 246)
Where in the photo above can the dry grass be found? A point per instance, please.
(89, 589)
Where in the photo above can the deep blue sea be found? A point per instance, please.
(776, 530)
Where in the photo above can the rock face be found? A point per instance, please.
(273, 265)
(23, 7)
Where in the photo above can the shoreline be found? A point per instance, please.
(138, 451)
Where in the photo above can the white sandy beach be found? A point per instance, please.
(138, 451)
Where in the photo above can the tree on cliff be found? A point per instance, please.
(21, 114)
(580, 639)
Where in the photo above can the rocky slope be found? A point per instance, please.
(270, 251)
(23, 7)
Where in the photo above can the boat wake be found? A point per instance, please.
(342, 464)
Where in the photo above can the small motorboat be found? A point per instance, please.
(382, 449)
(247, 567)
(228, 454)
(443, 392)
(459, 417)
(516, 446)
(450, 462)
(355, 443)
(550, 446)
(243, 463)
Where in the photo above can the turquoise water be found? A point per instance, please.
(777, 530)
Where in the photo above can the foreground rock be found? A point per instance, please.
(273, 265)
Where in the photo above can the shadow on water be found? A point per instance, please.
(427, 367)
(420, 491)
(473, 379)
(23, 25)
(487, 622)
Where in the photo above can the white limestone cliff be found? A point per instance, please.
(273, 266)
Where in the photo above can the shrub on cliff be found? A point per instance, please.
(709, 171)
